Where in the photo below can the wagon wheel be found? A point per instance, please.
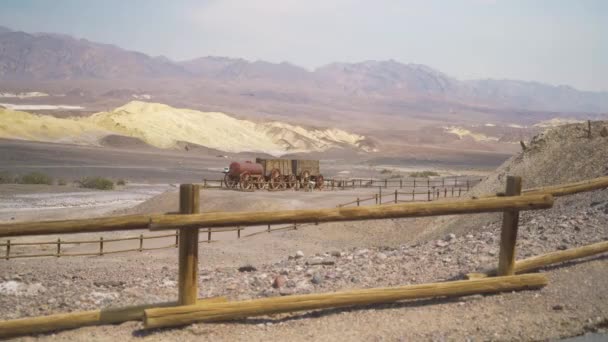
(320, 182)
(246, 181)
(292, 181)
(260, 183)
(276, 180)
(304, 178)
(230, 182)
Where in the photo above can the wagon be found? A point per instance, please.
(275, 174)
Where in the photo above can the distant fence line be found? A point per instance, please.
(333, 184)
(394, 197)
(9, 252)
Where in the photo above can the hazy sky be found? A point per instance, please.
(552, 41)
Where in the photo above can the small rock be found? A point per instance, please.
(381, 256)
(336, 254)
(316, 279)
(247, 268)
(562, 247)
(286, 292)
(558, 307)
(299, 255)
(449, 237)
(279, 282)
(441, 243)
(109, 283)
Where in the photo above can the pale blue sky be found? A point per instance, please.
(552, 41)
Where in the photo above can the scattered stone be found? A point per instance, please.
(450, 237)
(336, 254)
(441, 243)
(279, 282)
(316, 279)
(558, 307)
(299, 255)
(109, 283)
(247, 268)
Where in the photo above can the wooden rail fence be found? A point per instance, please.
(396, 196)
(189, 309)
(463, 182)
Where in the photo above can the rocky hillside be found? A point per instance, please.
(559, 155)
(167, 127)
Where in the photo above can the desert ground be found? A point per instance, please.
(356, 254)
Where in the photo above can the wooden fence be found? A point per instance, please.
(464, 182)
(102, 243)
(189, 309)
(397, 196)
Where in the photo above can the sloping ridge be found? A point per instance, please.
(163, 126)
(562, 154)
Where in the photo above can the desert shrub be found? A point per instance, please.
(6, 178)
(424, 174)
(36, 178)
(98, 183)
(395, 176)
(385, 171)
(62, 182)
(121, 182)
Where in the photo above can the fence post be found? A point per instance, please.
(452, 191)
(269, 225)
(188, 247)
(508, 233)
(8, 249)
(141, 242)
(396, 193)
(101, 245)
(209, 235)
(414, 183)
(428, 183)
(400, 183)
(176, 238)
(459, 191)
(295, 226)
(58, 247)
(376, 196)
(385, 183)
(413, 194)
(238, 232)
(357, 201)
(429, 194)
(380, 195)
(445, 192)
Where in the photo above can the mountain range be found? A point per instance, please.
(364, 96)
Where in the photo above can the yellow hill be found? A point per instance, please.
(164, 126)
